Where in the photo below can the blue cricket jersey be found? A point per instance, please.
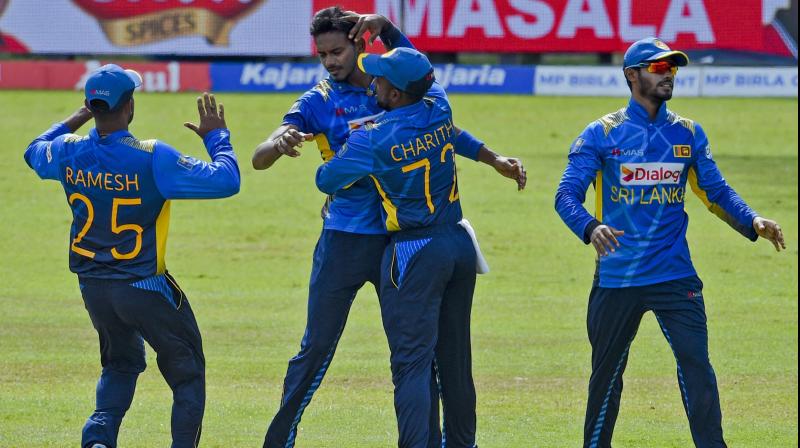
(119, 188)
(331, 111)
(409, 155)
(640, 170)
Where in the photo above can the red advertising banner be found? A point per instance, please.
(70, 75)
(569, 25)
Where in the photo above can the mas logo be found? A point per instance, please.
(128, 23)
(682, 151)
(651, 173)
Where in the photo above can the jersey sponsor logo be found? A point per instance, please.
(368, 121)
(708, 152)
(129, 23)
(651, 173)
(682, 151)
(340, 111)
(616, 152)
(49, 152)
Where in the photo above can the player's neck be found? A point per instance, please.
(650, 105)
(359, 79)
(107, 128)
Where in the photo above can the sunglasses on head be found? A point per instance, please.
(660, 67)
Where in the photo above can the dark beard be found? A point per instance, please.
(651, 91)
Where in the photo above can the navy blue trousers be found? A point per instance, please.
(428, 278)
(613, 320)
(343, 262)
(125, 314)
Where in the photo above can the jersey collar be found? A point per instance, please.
(94, 135)
(638, 113)
(345, 87)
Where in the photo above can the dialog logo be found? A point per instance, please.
(129, 23)
(651, 173)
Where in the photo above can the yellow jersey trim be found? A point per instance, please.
(162, 228)
(598, 192)
(324, 147)
(392, 225)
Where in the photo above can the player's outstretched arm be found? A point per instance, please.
(769, 229)
(282, 141)
(470, 147)
(509, 167)
(179, 176)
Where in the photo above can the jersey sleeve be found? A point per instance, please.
(354, 161)
(179, 176)
(584, 163)
(708, 184)
(42, 154)
(301, 114)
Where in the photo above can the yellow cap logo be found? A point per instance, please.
(660, 44)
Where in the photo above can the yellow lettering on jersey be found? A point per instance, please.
(134, 182)
(395, 158)
(420, 146)
(79, 179)
(429, 141)
(95, 181)
(409, 149)
(102, 181)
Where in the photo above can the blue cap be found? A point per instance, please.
(112, 84)
(652, 49)
(406, 68)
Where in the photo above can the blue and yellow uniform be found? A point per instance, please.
(350, 246)
(347, 254)
(428, 268)
(119, 190)
(641, 169)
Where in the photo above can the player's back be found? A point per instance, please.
(416, 172)
(120, 218)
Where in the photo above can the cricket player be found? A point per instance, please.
(348, 253)
(119, 190)
(429, 267)
(640, 159)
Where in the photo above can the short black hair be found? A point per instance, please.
(330, 20)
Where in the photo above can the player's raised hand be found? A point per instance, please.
(210, 116)
(769, 229)
(78, 118)
(374, 23)
(291, 139)
(512, 168)
(604, 239)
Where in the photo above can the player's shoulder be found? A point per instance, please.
(321, 92)
(683, 122)
(67, 144)
(71, 138)
(147, 146)
(608, 122)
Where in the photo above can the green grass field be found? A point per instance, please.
(245, 262)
